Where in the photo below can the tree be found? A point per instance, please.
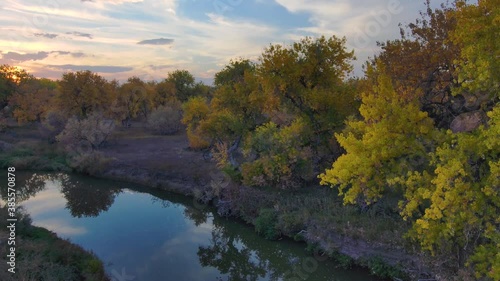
(33, 99)
(479, 67)
(131, 98)
(82, 92)
(308, 79)
(195, 110)
(11, 78)
(392, 139)
(165, 94)
(183, 82)
(424, 60)
(235, 110)
(234, 72)
(455, 206)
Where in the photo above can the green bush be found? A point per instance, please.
(265, 224)
(381, 269)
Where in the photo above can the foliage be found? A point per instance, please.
(52, 125)
(165, 120)
(265, 224)
(462, 197)
(91, 132)
(383, 270)
(83, 92)
(11, 78)
(282, 157)
(183, 83)
(423, 63)
(165, 93)
(194, 111)
(29, 156)
(479, 67)
(134, 97)
(393, 138)
(33, 99)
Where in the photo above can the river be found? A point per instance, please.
(146, 234)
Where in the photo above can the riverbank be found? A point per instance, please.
(41, 255)
(314, 215)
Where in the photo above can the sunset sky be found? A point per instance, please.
(149, 38)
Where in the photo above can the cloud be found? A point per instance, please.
(159, 41)
(14, 57)
(93, 68)
(17, 57)
(46, 35)
(80, 34)
(160, 66)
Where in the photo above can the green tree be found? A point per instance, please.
(183, 82)
(309, 79)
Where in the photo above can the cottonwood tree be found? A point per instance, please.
(82, 92)
(183, 82)
(11, 78)
(131, 99)
(33, 99)
(424, 62)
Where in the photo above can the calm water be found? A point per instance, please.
(150, 235)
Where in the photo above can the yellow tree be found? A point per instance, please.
(479, 63)
(83, 92)
(392, 139)
(424, 59)
(132, 96)
(33, 99)
(308, 79)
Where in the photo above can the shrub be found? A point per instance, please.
(165, 120)
(91, 163)
(92, 132)
(52, 125)
(265, 224)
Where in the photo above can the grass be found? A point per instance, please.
(320, 212)
(41, 255)
(34, 156)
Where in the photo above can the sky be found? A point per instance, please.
(150, 38)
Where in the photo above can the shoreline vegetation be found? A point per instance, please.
(42, 255)
(396, 171)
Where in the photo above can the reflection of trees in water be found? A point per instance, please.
(197, 215)
(242, 256)
(85, 199)
(27, 189)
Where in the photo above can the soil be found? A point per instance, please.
(159, 161)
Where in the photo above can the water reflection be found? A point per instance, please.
(82, 199)
(30, 188)
(87, 200)
(155, 235)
